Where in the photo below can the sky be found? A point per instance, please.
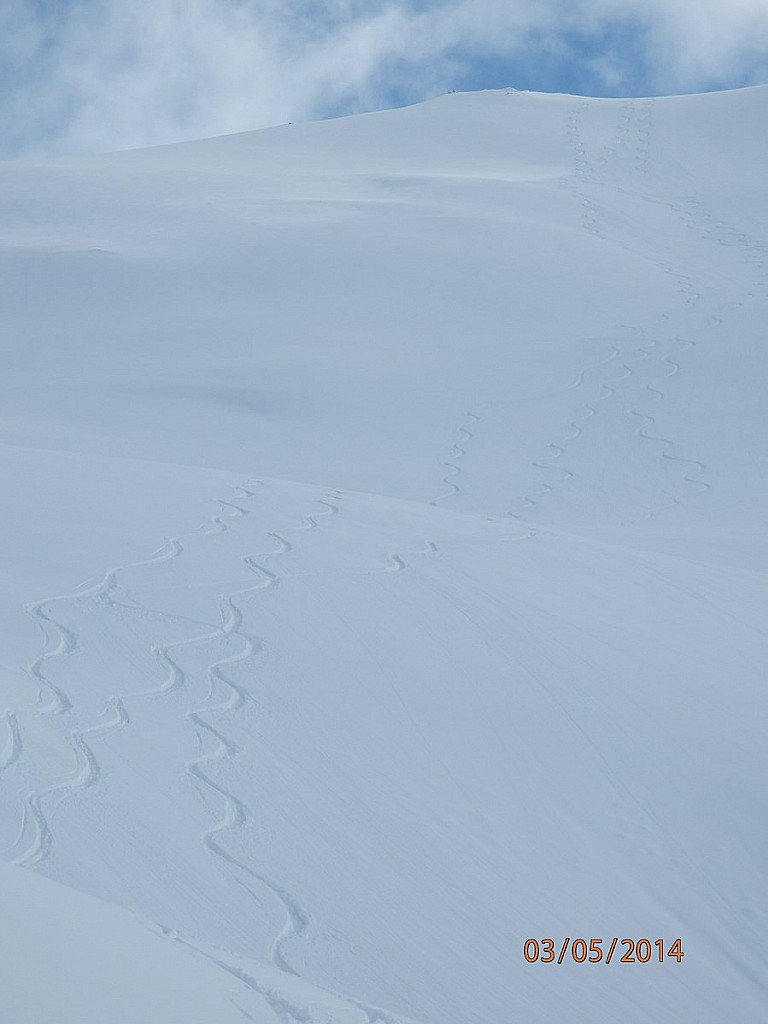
(95, 75)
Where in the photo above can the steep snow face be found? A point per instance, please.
(384, 572)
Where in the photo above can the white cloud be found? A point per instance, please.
(701, 42)
(96, 74)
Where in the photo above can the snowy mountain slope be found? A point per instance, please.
(492, 666)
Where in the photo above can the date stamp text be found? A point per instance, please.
(595, 951)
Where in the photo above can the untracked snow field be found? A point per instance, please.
(384, 569)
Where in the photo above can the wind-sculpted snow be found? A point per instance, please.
(384, 580)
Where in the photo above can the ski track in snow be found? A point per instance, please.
(235, 816)
(585, 172)
(86, 770)
(235, 811)
(87, 773)
(224, 696)
(458, 452)
(753, 252)
(559, 447)
(294, 1002)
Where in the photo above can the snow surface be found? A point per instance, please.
(383, 572)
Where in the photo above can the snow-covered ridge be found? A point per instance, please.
(383, 572)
